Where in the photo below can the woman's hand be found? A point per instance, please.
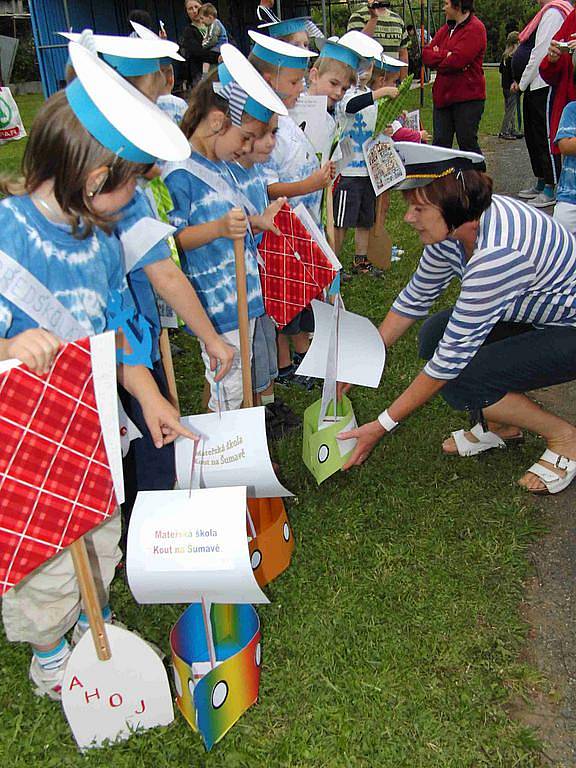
(233, 225)
(265, 221)
(36, 348)
(221, 356)
(554, 51)
(367, 436)
(163, 421)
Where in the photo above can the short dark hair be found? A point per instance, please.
(141, 17)
(464, 6)
(410, 27)
(461, 197)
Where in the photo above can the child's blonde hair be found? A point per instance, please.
(61, 150)
(325, 64)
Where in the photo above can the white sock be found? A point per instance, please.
(54, 658)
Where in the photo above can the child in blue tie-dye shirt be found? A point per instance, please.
(565, 209)
(210, 212)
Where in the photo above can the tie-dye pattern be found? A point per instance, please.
(566, 189)
(81, 274)
(210, 268)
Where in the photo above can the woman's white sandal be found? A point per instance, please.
(552, 480)
(486, 441)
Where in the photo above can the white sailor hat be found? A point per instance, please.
(351, 49)
(388, 63)
(278, 52)
(245, 89)
(424, 163)
(118, 116)
(288, 27)
(147, 34)
(131, 56)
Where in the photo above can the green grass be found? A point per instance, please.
(392, 641)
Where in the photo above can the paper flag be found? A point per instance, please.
(108, 700)
(184, 546)
(270, 541)
(361, 350)
(322, 453)
(212, 700)
(385, 167)
(234, 451)
(294, 269)
(309, 114)
(56, 480)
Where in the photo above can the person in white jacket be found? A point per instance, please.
(537, 104)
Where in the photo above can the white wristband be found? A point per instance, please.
(387, 421)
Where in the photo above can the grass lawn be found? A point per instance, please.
(393, 640)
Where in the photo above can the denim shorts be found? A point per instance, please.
(264, 354)
(516, 357)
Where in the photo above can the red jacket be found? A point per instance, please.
(560, 76)
(458, 62)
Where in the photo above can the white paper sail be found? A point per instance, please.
(234, 451)
(185, 546)
(361, 351)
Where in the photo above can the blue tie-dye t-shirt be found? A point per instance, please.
(81, 274)
(252, 184)
(211, 268)
(566, 188)
(293, 159)
(137, 209)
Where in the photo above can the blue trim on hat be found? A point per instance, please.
(279, 59)
(252, 107)
(100, 127)
(287, 27)
(129, 67)
(332, 50)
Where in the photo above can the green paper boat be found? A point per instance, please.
(322, 453)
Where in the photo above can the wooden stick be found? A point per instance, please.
(330, 234)
(243, 325)
(168, 363)
(90, 598)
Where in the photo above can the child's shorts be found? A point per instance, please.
(46, 604)
(230, 390)
(565, 214)
(264, 354)
(354, 203)
(302, 323)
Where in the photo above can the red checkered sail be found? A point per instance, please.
(294, 270)
(55, 479)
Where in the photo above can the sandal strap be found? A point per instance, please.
(552, 480)
(559, 461)
(486, 441)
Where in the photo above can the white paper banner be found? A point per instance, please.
(184, 546)
(310, 115)
(234, 451)
(141, 238)
(361, 351)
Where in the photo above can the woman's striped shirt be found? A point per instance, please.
(523, 270)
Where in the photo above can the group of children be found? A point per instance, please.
(103, 162)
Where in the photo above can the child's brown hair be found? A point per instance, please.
(60, 149)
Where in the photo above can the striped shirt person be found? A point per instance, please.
(523, 270)
(390, 29)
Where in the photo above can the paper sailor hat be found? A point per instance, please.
(245, 89)
(118, 116)
(425, 163)
(388, 63)
(350, 49)
(147, 34)
(278, 52)
(131, 56)
(278, 29)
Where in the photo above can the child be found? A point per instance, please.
(293, 171)
(296, 31)
(354, 198)
(279, 418)
(565, 208)
(174, 106)
(56, 224)
(209, 209)
(216, 34)
(511, 98)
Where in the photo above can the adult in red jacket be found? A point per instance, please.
(456, 52)
(558, 71)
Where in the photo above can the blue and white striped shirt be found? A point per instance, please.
(523, 270)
